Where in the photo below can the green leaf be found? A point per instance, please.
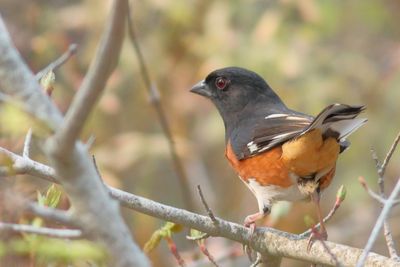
(53, 196)
(164, 232)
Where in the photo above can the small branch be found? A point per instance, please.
(209, 211)
(52, 214)
(370, 192)
(155, 101)
(380, 221)
(27, 144)
(58, 62)
(100, 69)
(30, 229)
(389, 155)
(17, 81)
(381, 182)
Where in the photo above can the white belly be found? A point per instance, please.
(267, 195)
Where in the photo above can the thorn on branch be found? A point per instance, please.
(209, 211)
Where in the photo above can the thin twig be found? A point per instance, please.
(58, 62)
(389, 155)
(209, 211)
(27, 144)
(374, 195)
(30, 229)
(382, 217)
(326, 219)
(206, 253)
(155, 101)
(381, 182)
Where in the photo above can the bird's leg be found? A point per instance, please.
(320, 234)
(250, 222)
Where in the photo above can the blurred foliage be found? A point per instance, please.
(165, 232)
(311, 52)
(54, 251)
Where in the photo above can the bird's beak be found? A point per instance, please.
(201, 88)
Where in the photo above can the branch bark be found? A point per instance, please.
(267, 241)
(92, 205)
(30, 229)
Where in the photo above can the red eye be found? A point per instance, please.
(221, 83)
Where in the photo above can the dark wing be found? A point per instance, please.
(336, 121)
(276, 129)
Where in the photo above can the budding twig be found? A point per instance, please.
(58, 62)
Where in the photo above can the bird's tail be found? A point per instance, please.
(338, 121)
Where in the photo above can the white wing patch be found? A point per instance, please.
(253, 147)
(274, 116)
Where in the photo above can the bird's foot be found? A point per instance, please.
(321, 235)
(250, 222)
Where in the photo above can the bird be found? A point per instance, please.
(279, 153)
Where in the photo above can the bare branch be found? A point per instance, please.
(155, 101)
(27, 144)
(18, 81)
(381, 182)
(100, 69)
(389, 155)
(30, 229)
(209, 211)
(380, 221)
(370, 192)
(285, 244)
(55, 215)
(92, 205)
(58, 62)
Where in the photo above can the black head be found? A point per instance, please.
(235, 90)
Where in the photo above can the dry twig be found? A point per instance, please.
(156, 102)
(58, 62)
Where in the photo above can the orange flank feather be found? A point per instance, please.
(303, 156)
(266, 168)
(310, 154)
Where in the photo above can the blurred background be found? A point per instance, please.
(313, 53)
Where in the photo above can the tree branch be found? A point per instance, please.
(18, 81)
(30, 229)
(92, 205)
(265, 240)
(100, 69)
(379, 223)
(155, 101)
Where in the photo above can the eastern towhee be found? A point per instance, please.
(279, 153)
